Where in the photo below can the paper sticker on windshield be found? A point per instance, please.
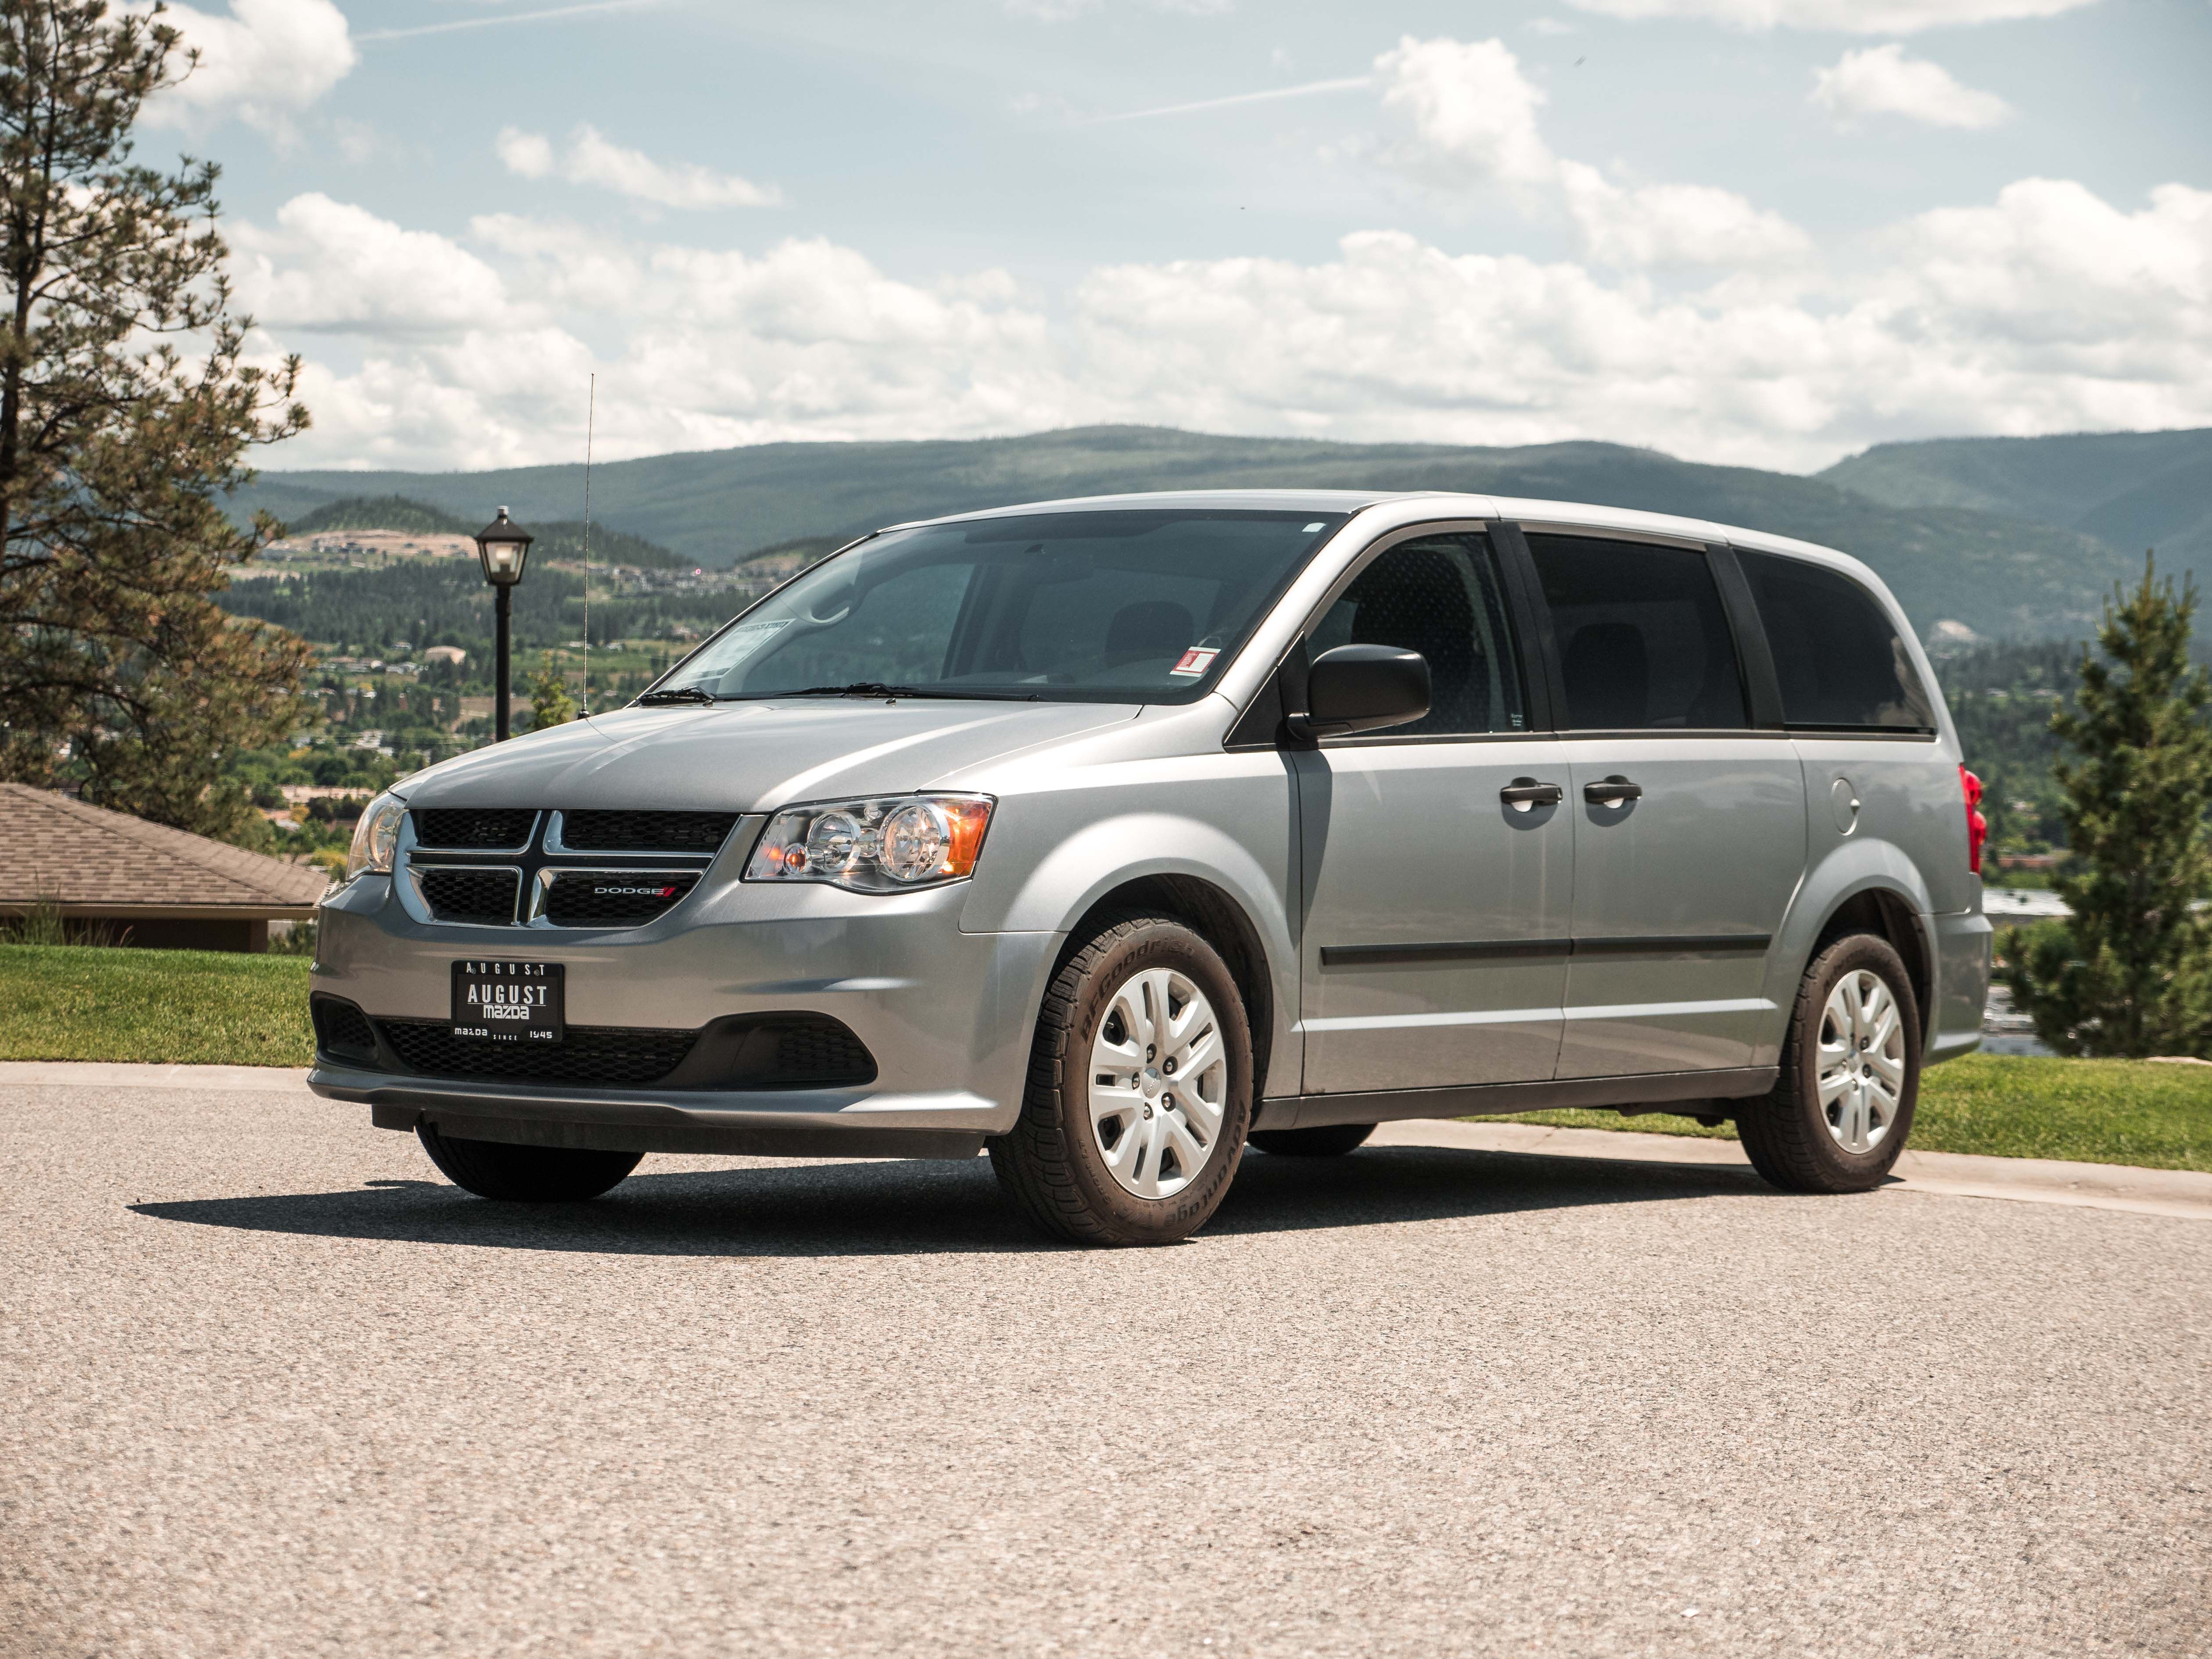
(747, 638)
(1195, 661)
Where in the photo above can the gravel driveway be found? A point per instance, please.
(273, 1390)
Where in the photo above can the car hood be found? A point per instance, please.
(749, 757)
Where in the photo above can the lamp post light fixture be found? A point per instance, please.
(503, 548)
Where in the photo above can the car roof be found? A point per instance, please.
(1250, 500)
(1525, 510)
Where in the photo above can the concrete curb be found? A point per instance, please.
(2184, 1193)
(110, 1074)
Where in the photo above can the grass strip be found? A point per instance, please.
(168, 1007)
(2087, 1111)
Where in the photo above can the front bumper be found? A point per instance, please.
(947, 1016)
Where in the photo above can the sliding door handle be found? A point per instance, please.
(1525, 794)
(1612, 792)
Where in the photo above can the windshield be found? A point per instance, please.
(1140, 606)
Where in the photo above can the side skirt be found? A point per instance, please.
(1647, 1089)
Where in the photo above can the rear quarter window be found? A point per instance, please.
(1841, 664)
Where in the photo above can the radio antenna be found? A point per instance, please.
(591, 415)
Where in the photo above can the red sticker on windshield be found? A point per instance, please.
(1196, 660)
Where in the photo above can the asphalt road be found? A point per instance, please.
(271, 1389)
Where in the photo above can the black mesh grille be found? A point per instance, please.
(818, 1052)
(602, 1054)
(645, 832)
(342, 1030)
(485, 896)
(613, 898)
(494, 828)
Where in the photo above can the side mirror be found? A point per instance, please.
(1362, 688)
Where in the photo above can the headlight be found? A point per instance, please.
(887, 844)
(375, 837)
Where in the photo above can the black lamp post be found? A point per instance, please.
(503, 548)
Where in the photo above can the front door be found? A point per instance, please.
(1437, 856)
(1689, 825)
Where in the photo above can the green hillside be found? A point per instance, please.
(377, 512)
(560, 540)
(1999, 576)
(2130, 489)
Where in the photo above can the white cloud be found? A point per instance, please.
(1473, 116)
(330, 266)
(1843, 16)
(593, 159)
(1674, 224)
(1883, 80)
(2045, 308)
(1472, 108)
(530, 154)
(264, 63)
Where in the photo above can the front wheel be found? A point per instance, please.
(525, 1175)
(1139, 1090)
(1850, 1075)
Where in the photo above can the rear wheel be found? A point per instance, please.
(525, 1175)
(1851, 1075)
(1139, 1090)
(1324, 1140)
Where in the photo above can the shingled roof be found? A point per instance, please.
(86, 860)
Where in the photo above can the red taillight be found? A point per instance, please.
(1977, 827)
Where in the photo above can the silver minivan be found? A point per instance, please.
(1114, 835)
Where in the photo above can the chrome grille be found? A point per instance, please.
(492, 829)
(480, 894)
(645, 832)
(613, 898)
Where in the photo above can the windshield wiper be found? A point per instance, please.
(679, 693)
(862, 688)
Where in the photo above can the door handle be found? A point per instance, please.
(1525, 794)
(1612, 792)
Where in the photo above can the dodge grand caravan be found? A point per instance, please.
(1111, 835)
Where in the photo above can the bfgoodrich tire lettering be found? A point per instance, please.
(1850, 1075)
(525, 1175)
(1139, 1090)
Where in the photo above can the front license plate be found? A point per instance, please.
(507, 1002)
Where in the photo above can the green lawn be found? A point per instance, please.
(204, 1008)
(2092, 1111)
(175, 1007)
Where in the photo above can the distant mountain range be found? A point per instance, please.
(551, 540)
(2132, 490)
(2018, 537)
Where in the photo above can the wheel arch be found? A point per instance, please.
(1862, 887)
(1216, 916)
(1888, 915)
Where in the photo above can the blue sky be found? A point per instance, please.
(1766, 231)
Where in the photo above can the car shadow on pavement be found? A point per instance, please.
(912, 1207)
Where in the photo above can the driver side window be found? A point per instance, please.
(1441, 596)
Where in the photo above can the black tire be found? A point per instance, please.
(525, 1175)
(1788, 1136)
(1324, 1140)
(1052, 1164)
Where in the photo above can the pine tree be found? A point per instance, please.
(126, 407)
(2131, 972)
(550, 701)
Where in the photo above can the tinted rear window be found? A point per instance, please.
(1842, 665)
(1643, 642)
